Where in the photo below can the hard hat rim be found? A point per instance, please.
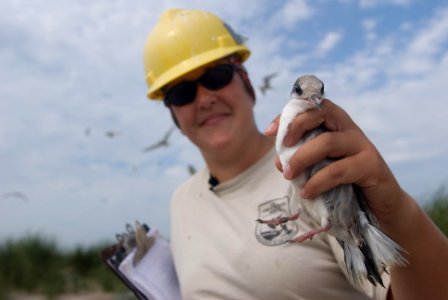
(186, 66)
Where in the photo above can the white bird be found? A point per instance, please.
(266, 85)
(342, 211)
(162, 143)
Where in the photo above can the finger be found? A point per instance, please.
(336, 119)
(338, 172)
(326, 145)
(278, 164)
(329, 114)
(272, 128)
(301, 124)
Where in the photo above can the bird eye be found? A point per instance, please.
(298, 90)
(322, 90)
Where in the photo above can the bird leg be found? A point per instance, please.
(279, 220)
(310, 234)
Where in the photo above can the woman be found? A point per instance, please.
(193, 61)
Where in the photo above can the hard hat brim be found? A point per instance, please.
(186, 66)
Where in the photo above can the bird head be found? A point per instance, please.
(309, 88)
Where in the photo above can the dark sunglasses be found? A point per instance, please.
(213, 79)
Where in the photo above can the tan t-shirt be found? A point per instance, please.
(221, 252)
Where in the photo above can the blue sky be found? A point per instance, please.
(68, 66)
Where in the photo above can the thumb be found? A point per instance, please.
(272, 128)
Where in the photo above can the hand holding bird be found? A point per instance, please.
(340, 208)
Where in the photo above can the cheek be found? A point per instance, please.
(183, 115)
(240, 92)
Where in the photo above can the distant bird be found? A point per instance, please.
(15, 195)
(266, 84)
(342, 211)
(162, 143)
(191, 169)
(111, 134)
(87, 131)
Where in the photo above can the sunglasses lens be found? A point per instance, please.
(181, 94)
(217, 77)
(213, 79)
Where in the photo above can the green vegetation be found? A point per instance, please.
(437, 209)
(35, 264)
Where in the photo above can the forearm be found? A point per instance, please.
(427, 253)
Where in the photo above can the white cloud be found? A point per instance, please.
(431, 38)
(369, 26)
(423, 51)
(328, 42)
(293, 12)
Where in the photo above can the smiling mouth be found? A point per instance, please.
(214, 119)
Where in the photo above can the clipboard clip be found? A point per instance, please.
(132, 238)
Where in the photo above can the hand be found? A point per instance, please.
(359, 162)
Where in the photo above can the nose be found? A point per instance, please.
(205, 98)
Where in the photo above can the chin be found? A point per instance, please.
(217, 142)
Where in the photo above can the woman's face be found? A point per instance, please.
(216, 118)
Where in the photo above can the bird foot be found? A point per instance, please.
(279, 220)
(309, 235)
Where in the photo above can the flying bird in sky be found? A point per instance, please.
(87, 131)
(164, 142)
(15, 195)
(342, 211)
(111, 134)
(266, 84)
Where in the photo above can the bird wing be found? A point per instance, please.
(162, 142)
(168, 133)
(153, 146)
(111, 133)
(266, 84)
(17, 195)
(272, 75)
(267, 79)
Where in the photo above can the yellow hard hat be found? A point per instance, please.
(184, 40)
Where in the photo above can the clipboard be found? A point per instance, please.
(142, 260)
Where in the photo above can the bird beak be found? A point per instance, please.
(315, 100)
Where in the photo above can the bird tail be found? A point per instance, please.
(384, 250)
(354, 261)
(360, 264)
(371, 255)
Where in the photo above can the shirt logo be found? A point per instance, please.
(273, 235)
